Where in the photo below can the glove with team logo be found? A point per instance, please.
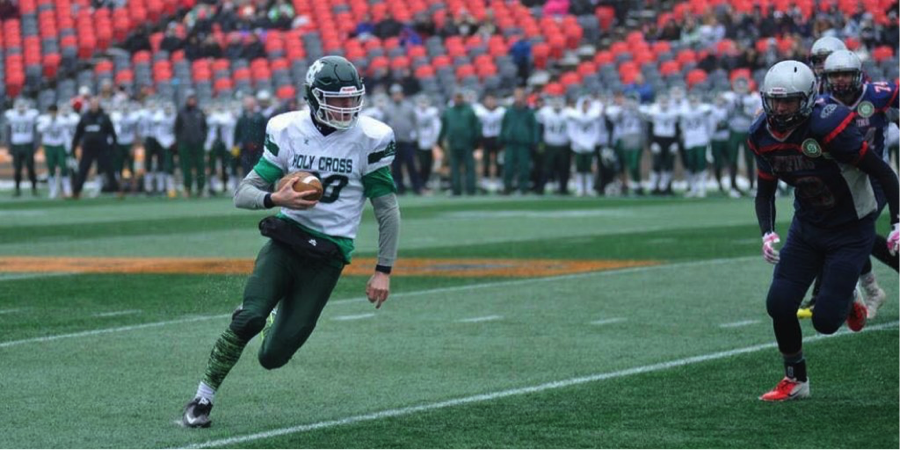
(768, 248)
(893, 240)
(655, 148)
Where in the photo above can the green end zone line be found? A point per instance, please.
(519, 391)
(492, 284)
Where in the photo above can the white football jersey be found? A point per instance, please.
(71, 121)
(626, 122)
(21, 126)
(664, 120)
(145, 124)
(554, 125)
(584, 128)
(126, 126)
(428, 127)
(490, 119)
(54, 130)
(164, 128)
(340, 160)
(696, 126)
(221, 126)
(719, 118)
(745, 110)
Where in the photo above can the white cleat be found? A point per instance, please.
(875, 297)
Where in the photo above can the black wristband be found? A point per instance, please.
(267, 201)
(383, 269)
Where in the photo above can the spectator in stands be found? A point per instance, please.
(519, 134)
(250, 134)
(190, 134)
(8, 9)
(281, 14)
(253, 48)
(193, 48)
(643, 89)
(226, 17)
(466, 24)
(460, 134)
(424, 25)
(388, 27)
(400, 115)
(139, 40)
(211, 48)
(409, 37)
(365, 29)
(404, 77)
(97, 138)
(235, 48)
(521, 54)
(171, 42)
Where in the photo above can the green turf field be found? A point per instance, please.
(670, 355)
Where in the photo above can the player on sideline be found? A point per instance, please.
(819, 150)
(311, 241)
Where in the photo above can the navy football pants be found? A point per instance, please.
(838, 254)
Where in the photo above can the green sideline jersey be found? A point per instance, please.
(352, 164)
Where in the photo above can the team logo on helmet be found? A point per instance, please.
(828, 109)
(313, 71)
(865, 109)
(811, 148)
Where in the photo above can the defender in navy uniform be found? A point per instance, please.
(873, 104)
(819, 150)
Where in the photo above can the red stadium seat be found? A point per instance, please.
(465, 70)
(603, 58)
(222, 84)
(286, 92)
(695, 76)
(882, 53)
(669, 68)
(424, 72)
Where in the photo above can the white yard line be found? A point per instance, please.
(480, 319)
(492, 284)
(354, 317)
(10, 311)
(608, 321)
(512, 392)
(119, 313)
(742, 323)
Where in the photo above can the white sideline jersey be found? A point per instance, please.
(696, 126)
(664, 120)
(164, 128)
(584, 129)
(21, 125)
(71, 121)
(126, 126)
(720, 123)
(554, 123)
(490, 119)
(746, 108)
(428, 127)
(54, 130)
(340, 160)
(221, 127)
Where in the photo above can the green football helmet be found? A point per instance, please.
(335, 92)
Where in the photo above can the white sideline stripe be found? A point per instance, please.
(570, 276)
(608, 321)
(119, 313)
(742, 323)
(110, 330)
(359, 299)
(10, 311)
(218, 443)
(480, 319)
(27, 276)
(354, 317)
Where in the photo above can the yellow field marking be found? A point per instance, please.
(455, 267)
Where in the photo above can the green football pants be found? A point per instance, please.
(462, 159)
(737, 140)
(192, 165)
(516, 163)
(302, 285)
(56, 157)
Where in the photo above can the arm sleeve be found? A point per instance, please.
(765, 203)
(112, 131)
(79, 131)
(251, 192)
(879, 170)
(387, 213)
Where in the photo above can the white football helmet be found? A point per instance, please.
(843, 61)
(787, 80)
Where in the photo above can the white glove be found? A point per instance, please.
(768, 248)
(893, 240)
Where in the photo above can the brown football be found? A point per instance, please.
(305, 182)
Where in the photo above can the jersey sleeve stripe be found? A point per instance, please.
(834, 133)
(862, 152)
(268, 171)
(890, 103)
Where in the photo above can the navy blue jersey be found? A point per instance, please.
(818, 158)
(872, 109)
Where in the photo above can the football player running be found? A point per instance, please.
(311, 241)
(819, 150)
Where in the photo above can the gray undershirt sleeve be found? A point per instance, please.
(251, 192)
(387, 212)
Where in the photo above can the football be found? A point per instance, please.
(305, 182)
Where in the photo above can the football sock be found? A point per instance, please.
(881, 253)
(204, 391)
(867, 267)
(224, 356)
(795, 367)
(67, 186)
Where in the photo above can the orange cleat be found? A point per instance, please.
(787, 389)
